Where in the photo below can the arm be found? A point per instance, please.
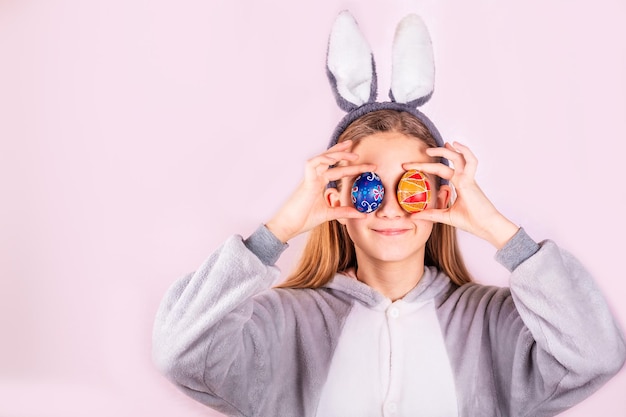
(554, 341)
(566, 344)
(195, 306)
(211, 337)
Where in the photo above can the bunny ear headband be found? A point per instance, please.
(352, 72)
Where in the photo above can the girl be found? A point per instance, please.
(381, 317)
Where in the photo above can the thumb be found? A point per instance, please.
(433, 215)
(344, 212)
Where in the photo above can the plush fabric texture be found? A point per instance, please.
(413, 63)
(350, 64)
(233, 343)
(387, 105)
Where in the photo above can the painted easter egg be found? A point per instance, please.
(367, 192)
(414, 191)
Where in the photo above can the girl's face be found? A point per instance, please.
(388, 234)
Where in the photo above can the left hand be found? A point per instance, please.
(471, 210)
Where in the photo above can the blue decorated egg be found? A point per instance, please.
(367, 192)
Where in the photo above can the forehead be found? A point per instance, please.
(390, 148)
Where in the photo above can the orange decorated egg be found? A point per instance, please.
(414, 191)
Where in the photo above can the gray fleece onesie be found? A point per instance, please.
(233, 343)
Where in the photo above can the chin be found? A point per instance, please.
(395, 256)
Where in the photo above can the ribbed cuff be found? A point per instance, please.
(519, 248)
(265, 245)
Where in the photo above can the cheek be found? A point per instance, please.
(355, 228)
(345, 196)
(423, 227)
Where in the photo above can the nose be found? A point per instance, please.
(390, 207)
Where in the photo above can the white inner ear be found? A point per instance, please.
(413, 66)
(350, 60)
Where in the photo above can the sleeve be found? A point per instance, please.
(556, 341)
(195, 306)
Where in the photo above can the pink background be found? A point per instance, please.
(132, 134)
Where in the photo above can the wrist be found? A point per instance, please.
(277, 230)
(501, 231)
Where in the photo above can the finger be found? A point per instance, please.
(320, 164)
(345, 212)
(331, 158)
(342, 155)
(333, 155)
(451, 154)
(471, 162)
(341, 145)
(434, 168)
(321, 160)
(337, 173)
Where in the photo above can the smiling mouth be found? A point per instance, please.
(391, 232)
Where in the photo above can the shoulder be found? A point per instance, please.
(304, 316)
(304, 301)
(474, 297)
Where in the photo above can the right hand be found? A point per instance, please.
(471, 211)
(307, 207)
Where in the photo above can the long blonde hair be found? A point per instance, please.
(329, 248)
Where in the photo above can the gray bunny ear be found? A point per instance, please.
(413, 65)
(350, 64)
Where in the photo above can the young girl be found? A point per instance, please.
(381, 317)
